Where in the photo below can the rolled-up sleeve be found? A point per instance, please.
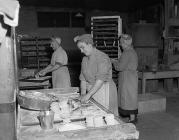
(104, 67)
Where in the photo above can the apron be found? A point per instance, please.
(61, 78)
(107, 96)
(128, 87)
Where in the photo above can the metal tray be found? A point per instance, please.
(33, 79)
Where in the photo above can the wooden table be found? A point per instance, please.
(121, 131)
(163, 74)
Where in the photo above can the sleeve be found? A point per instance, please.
(62, 58)
(81, 77)
(104, 69)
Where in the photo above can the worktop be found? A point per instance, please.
(28, 127)
(158, 74)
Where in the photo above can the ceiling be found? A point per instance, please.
(114, 5)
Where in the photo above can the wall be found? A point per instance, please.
(28, 26)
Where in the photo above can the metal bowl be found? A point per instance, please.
(36, 104)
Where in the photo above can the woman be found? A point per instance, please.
(128, 79)
(96, 75)
(58, 66)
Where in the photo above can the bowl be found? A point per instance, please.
(26, 100)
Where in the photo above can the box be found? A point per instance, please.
(151, 103)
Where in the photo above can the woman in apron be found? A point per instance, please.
(58, 66)
(128, 79)
(96, 75)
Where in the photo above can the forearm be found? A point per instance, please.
(96, 87)
(53, 68)
(83, 87)
(47, 68)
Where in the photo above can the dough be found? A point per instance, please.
(70, 126)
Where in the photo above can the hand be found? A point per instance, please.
(114, 60)
(41, 73)
(37, 75)
(85, 98)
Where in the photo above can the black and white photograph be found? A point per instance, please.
(89, 69)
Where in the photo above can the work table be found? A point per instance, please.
(29, 128)
(158, 74)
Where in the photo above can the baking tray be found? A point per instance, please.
(33, 79)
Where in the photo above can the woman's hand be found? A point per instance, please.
(85, 98)
(40, 73)
(114, 60)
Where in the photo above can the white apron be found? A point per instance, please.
(106, 96)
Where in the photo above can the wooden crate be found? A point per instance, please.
(151, 103)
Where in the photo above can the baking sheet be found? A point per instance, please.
(39, 79)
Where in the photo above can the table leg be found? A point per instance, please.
(168, 84)
(143, 85)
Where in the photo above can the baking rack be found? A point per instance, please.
(35, 52)
(106, 31)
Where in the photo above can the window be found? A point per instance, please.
(53, 19)
(60, 19)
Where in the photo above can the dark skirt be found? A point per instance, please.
(123, 112)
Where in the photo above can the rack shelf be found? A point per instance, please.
(35, 52)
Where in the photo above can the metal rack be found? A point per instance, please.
(106, 31)
(35, 52)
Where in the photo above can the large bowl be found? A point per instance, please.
(36, 104)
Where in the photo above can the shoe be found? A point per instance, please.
(133, 121)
